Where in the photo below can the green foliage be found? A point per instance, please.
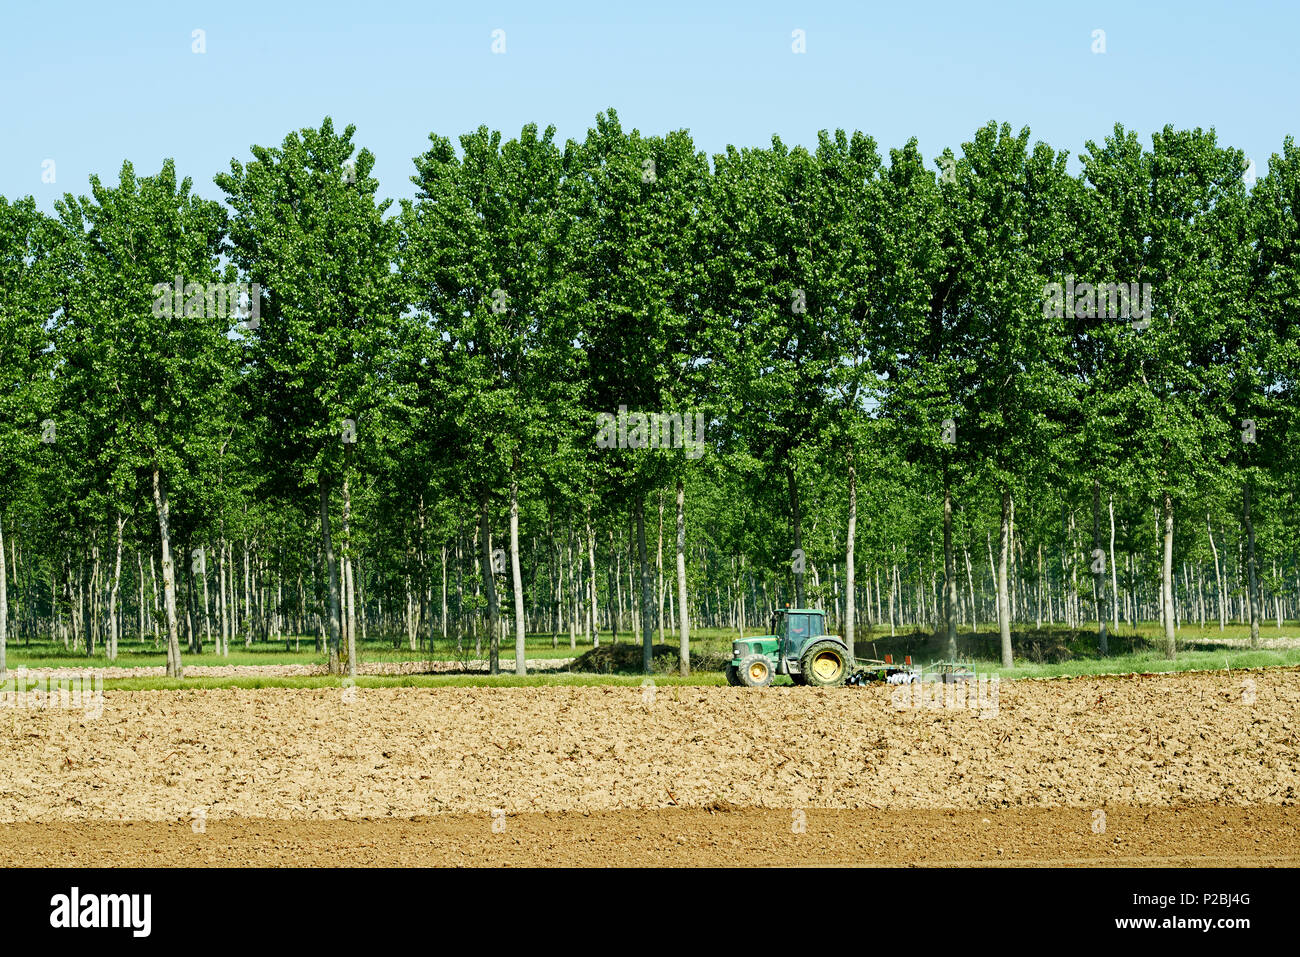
(822, 309)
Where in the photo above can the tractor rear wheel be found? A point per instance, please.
(733, 676)
(755, 671)
(824, 664)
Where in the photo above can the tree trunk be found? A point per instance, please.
(573, 591)
(349, 590)
(797, 520)
(850, 578)
(490, 590)
(247, 620)
(949, 574)
(970, 583)
(223, 610)
(684, 630)
(444, 593)
(4, 603)
(1167, 577)
(139, 581)
(1004, 609)
(516, 577)
(1114, 574)
(1099, 577)
(659, 572)
(647, 590)
(1253, 579)
(592, 621)
(207, 604)
(331, 582)
(112, 595)
(174, 669)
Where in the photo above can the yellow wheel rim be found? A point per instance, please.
(826, 666)
(758, 671)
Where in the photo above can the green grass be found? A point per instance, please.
(1040, 653)
(1148, 662)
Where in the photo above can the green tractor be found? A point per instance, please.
(798, 647)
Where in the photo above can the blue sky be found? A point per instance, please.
(89, 84)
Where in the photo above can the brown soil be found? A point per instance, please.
(473, 665)
(1159, 837)
(1209, 763)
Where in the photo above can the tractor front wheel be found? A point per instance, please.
(755, 671)
(733, 676)
(824, 665)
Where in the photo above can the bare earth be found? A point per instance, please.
(473, 665)
(1157, 837)
(1182, 769)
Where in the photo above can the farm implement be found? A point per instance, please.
(800, 647)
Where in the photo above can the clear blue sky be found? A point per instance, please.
(89, 84)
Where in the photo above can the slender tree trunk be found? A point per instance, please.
(659, 571)
(970, 584)
(349, 592)
(1253, 579)
(139, 580)
(331, 583)
(850, 576)
(112, 595)
(1114, 574)
(516, 577)
(490, 590)
(573, 591)
(797, 520)
(156, 593)
(444, 592)
(207, 604)
(683, 622)
(1004, 549)
(1200, 594)
(949, 574)
(1038, 618)
(647, 590)
(616, 559)
(4, 603)
(223, 610)
(174, 669)
(247, 620)
(1167, 577)
(1099, 577)
(593, 620)
(894, 592)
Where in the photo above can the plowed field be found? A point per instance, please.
(1200, 768)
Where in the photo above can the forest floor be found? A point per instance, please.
(1161, 769)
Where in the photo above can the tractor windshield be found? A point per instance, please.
(796, 634)
(800, 628)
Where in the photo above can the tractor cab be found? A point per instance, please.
(798, 627)
(798, 646)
